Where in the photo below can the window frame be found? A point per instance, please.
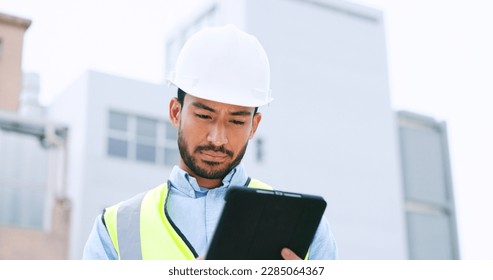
(161, 142)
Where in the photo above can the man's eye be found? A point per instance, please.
(203, 116)
(238, 122)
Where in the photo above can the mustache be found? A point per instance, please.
(220, 149)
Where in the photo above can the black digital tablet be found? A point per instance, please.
(256, 224)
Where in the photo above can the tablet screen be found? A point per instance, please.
(256, 224)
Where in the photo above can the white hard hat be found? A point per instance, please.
(226, 65)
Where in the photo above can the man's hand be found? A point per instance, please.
(287, 254)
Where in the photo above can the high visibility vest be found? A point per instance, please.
(140, 227)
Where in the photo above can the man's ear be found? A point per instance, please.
(256, 120)
(174, 112)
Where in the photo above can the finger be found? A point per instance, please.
(287, 254)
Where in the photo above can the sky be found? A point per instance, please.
(440, 62)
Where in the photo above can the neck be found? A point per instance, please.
(203, 182)
(208, 183)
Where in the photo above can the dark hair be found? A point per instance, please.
(181, 97)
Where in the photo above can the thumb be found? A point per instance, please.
(287, 254)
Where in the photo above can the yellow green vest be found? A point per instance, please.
(140, 229)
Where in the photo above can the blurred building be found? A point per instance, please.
(428, 191)
(11, 39)
(34, 212)
(120, 144)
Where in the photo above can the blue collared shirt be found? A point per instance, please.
(196, 211)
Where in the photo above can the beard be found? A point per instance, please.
(212, 169)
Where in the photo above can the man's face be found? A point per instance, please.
(212, 136)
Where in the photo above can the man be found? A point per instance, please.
(223, 76)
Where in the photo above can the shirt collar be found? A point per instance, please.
(185, 183)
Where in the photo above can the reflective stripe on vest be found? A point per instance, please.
(140, 229)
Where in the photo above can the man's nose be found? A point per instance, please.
(217, 135)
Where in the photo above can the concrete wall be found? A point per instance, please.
(11, 38)
(71, 108)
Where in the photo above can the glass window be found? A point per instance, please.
(423, 160)
(260, 150)
(146, 127)
(171, 132)
(142, 139)
(146, 153)
(23, 180)
(171, 156)
(117, 147)
(36, 201)
(118, 121)
(21, 207)
(430, 236)
(8, 201)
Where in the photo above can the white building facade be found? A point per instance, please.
(428, 188)
(118, 144)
